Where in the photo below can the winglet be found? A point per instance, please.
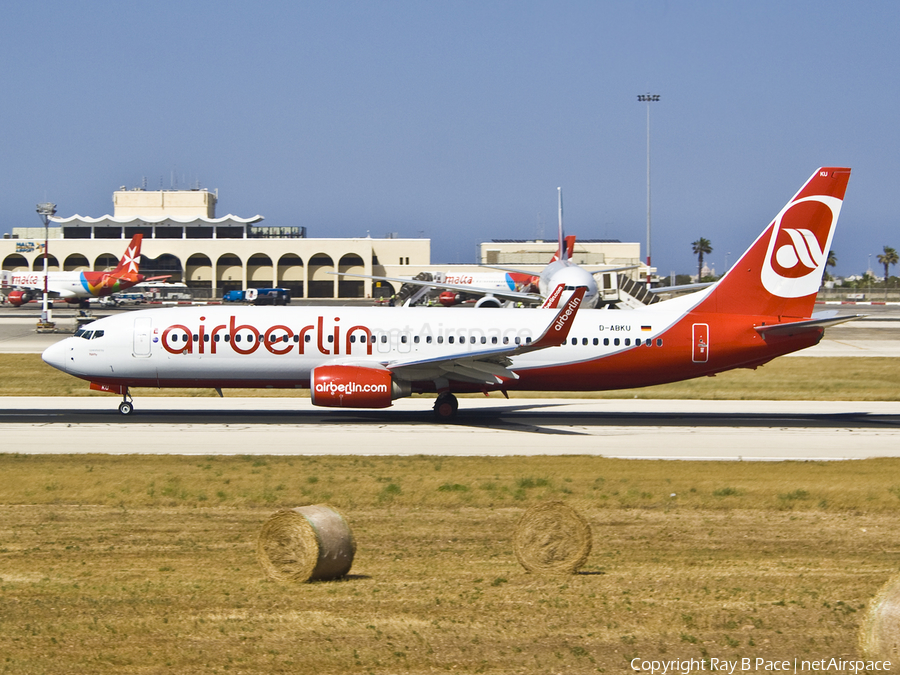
(552, 300)
(558, 330)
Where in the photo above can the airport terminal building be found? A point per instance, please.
(183, 238)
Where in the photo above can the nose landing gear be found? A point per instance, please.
(126, 407)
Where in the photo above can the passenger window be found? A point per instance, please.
(330, 339)
(606, 342)
(574, 341)
(403, 339)
(352, 339)
(627, 342)
(494, 340)
(237, 338)
(584, 341)
(596, 342)
(216, 337)
(307, 338)
(205, 337)
(483, 340)
(506, 340)
(416, 339)
(659, 342)
(528, 341)
(450, 339)
(440, 339)
(518, 341)
(227, 338)
(616, 342)
(428, 339)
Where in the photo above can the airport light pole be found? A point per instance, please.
(45, 211)
(648, 99)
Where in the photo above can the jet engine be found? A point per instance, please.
(18, 298)
(488, 301)
(340, 386)
(449, 298)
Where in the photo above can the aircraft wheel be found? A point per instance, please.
(445, 406)
(126, 407)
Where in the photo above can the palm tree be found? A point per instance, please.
(888, 258)
(830, 261)
(701, 247)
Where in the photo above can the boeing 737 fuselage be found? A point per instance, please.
(367, 357)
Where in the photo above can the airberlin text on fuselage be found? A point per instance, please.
(330, 339)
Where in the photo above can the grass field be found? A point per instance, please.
(794, 378)
(147, 564)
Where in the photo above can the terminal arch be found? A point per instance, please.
(321, 283)
(349, 287)
(229, 272)
(198, 271)
(290, 273)
(105, 262)
(15, 263)
(260, 271)
(52, 264)
(75, 263)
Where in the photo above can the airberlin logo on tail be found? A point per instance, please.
(796, 255)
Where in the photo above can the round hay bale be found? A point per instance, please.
(307, 543)
(879, 635)
(552, 538)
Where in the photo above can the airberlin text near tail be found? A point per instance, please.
(367, 357)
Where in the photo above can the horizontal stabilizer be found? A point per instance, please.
(823, 320)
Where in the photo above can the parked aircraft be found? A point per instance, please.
(78, 287)
(514, 285)
(365, 357)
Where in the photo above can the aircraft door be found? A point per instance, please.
(383, 342)
(404, 340)
(701, 342)
(142, 336)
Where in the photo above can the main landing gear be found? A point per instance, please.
(126, 407)
(445, 406)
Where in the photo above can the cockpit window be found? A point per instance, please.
(97, 334)
(79, 332)
(87, 334)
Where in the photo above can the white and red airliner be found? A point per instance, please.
(366, 357)
(79, 287)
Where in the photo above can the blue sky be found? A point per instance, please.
(458, 120)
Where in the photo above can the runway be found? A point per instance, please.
(635, 429)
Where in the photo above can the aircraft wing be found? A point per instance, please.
(516, 296)
(819, 320)
(489, 366)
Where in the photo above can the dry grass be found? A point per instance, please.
(147, 564)
(795, 378)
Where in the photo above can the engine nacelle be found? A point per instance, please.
(354, 387)
(488, 301)
(18, 298)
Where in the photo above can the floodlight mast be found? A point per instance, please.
(648, 99)
(46, 210)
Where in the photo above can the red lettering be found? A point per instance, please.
(212, 337)
(302, 337)
(185, 349)
(319, 337)
(271, 346)
(367, 338)
(254, 342)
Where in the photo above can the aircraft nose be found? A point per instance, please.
(56, 355)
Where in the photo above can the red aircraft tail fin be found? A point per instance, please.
(781, 272)
(130, 261)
